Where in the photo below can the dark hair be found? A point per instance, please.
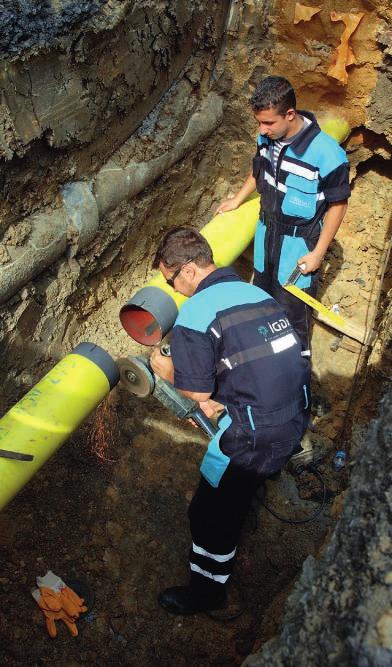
(181, 245)
(276, 92)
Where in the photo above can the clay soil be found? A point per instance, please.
(120, 525)
(110, 507)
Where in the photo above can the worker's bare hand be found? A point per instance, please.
(211, 408)
(312, 262)
(227, 205)
(162, 366)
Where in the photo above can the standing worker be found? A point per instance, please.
(232, 348)
(302, 175)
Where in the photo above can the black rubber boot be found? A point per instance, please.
(188, 600)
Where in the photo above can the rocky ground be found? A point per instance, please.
(340, 611)
(119, 522)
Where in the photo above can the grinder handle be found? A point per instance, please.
(201, 420)
(196, 414)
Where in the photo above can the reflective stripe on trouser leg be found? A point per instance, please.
(217, 567)
(306, 350)
(216, 517)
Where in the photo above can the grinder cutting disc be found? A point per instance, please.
(135, 376)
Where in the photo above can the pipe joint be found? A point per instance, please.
(82, 213)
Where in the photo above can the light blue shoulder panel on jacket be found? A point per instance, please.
(262, 140)
(323, 152)
(202, 307)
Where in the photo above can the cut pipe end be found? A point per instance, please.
(149, 315)
(140, 325)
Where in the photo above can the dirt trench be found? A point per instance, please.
(110, 506)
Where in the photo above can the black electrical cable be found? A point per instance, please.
(296, 522)
(239, 586)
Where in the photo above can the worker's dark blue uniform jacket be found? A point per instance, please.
(233, 340)
(312, 172)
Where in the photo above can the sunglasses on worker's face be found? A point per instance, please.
(170, 281)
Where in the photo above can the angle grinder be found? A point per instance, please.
(137, 377)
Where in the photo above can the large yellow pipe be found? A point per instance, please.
(47, 415)
(228, 235)
(151, 312)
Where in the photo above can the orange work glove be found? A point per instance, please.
(48, 599)
(52, 616)
(50, 603)
(58, 602)
(71, 602)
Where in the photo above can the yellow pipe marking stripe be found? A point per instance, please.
(317, 305)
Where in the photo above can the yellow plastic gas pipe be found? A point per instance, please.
(49, 413)
(228, 235)
(151, 312)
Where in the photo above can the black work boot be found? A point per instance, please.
(188, 600)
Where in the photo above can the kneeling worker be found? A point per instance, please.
(233, 345)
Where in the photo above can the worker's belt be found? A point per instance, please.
(259, 417)
(305, 230)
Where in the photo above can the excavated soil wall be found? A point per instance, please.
(77, 88)
(97, 90)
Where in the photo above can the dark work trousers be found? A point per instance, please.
(217, 514)
(276, 255)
